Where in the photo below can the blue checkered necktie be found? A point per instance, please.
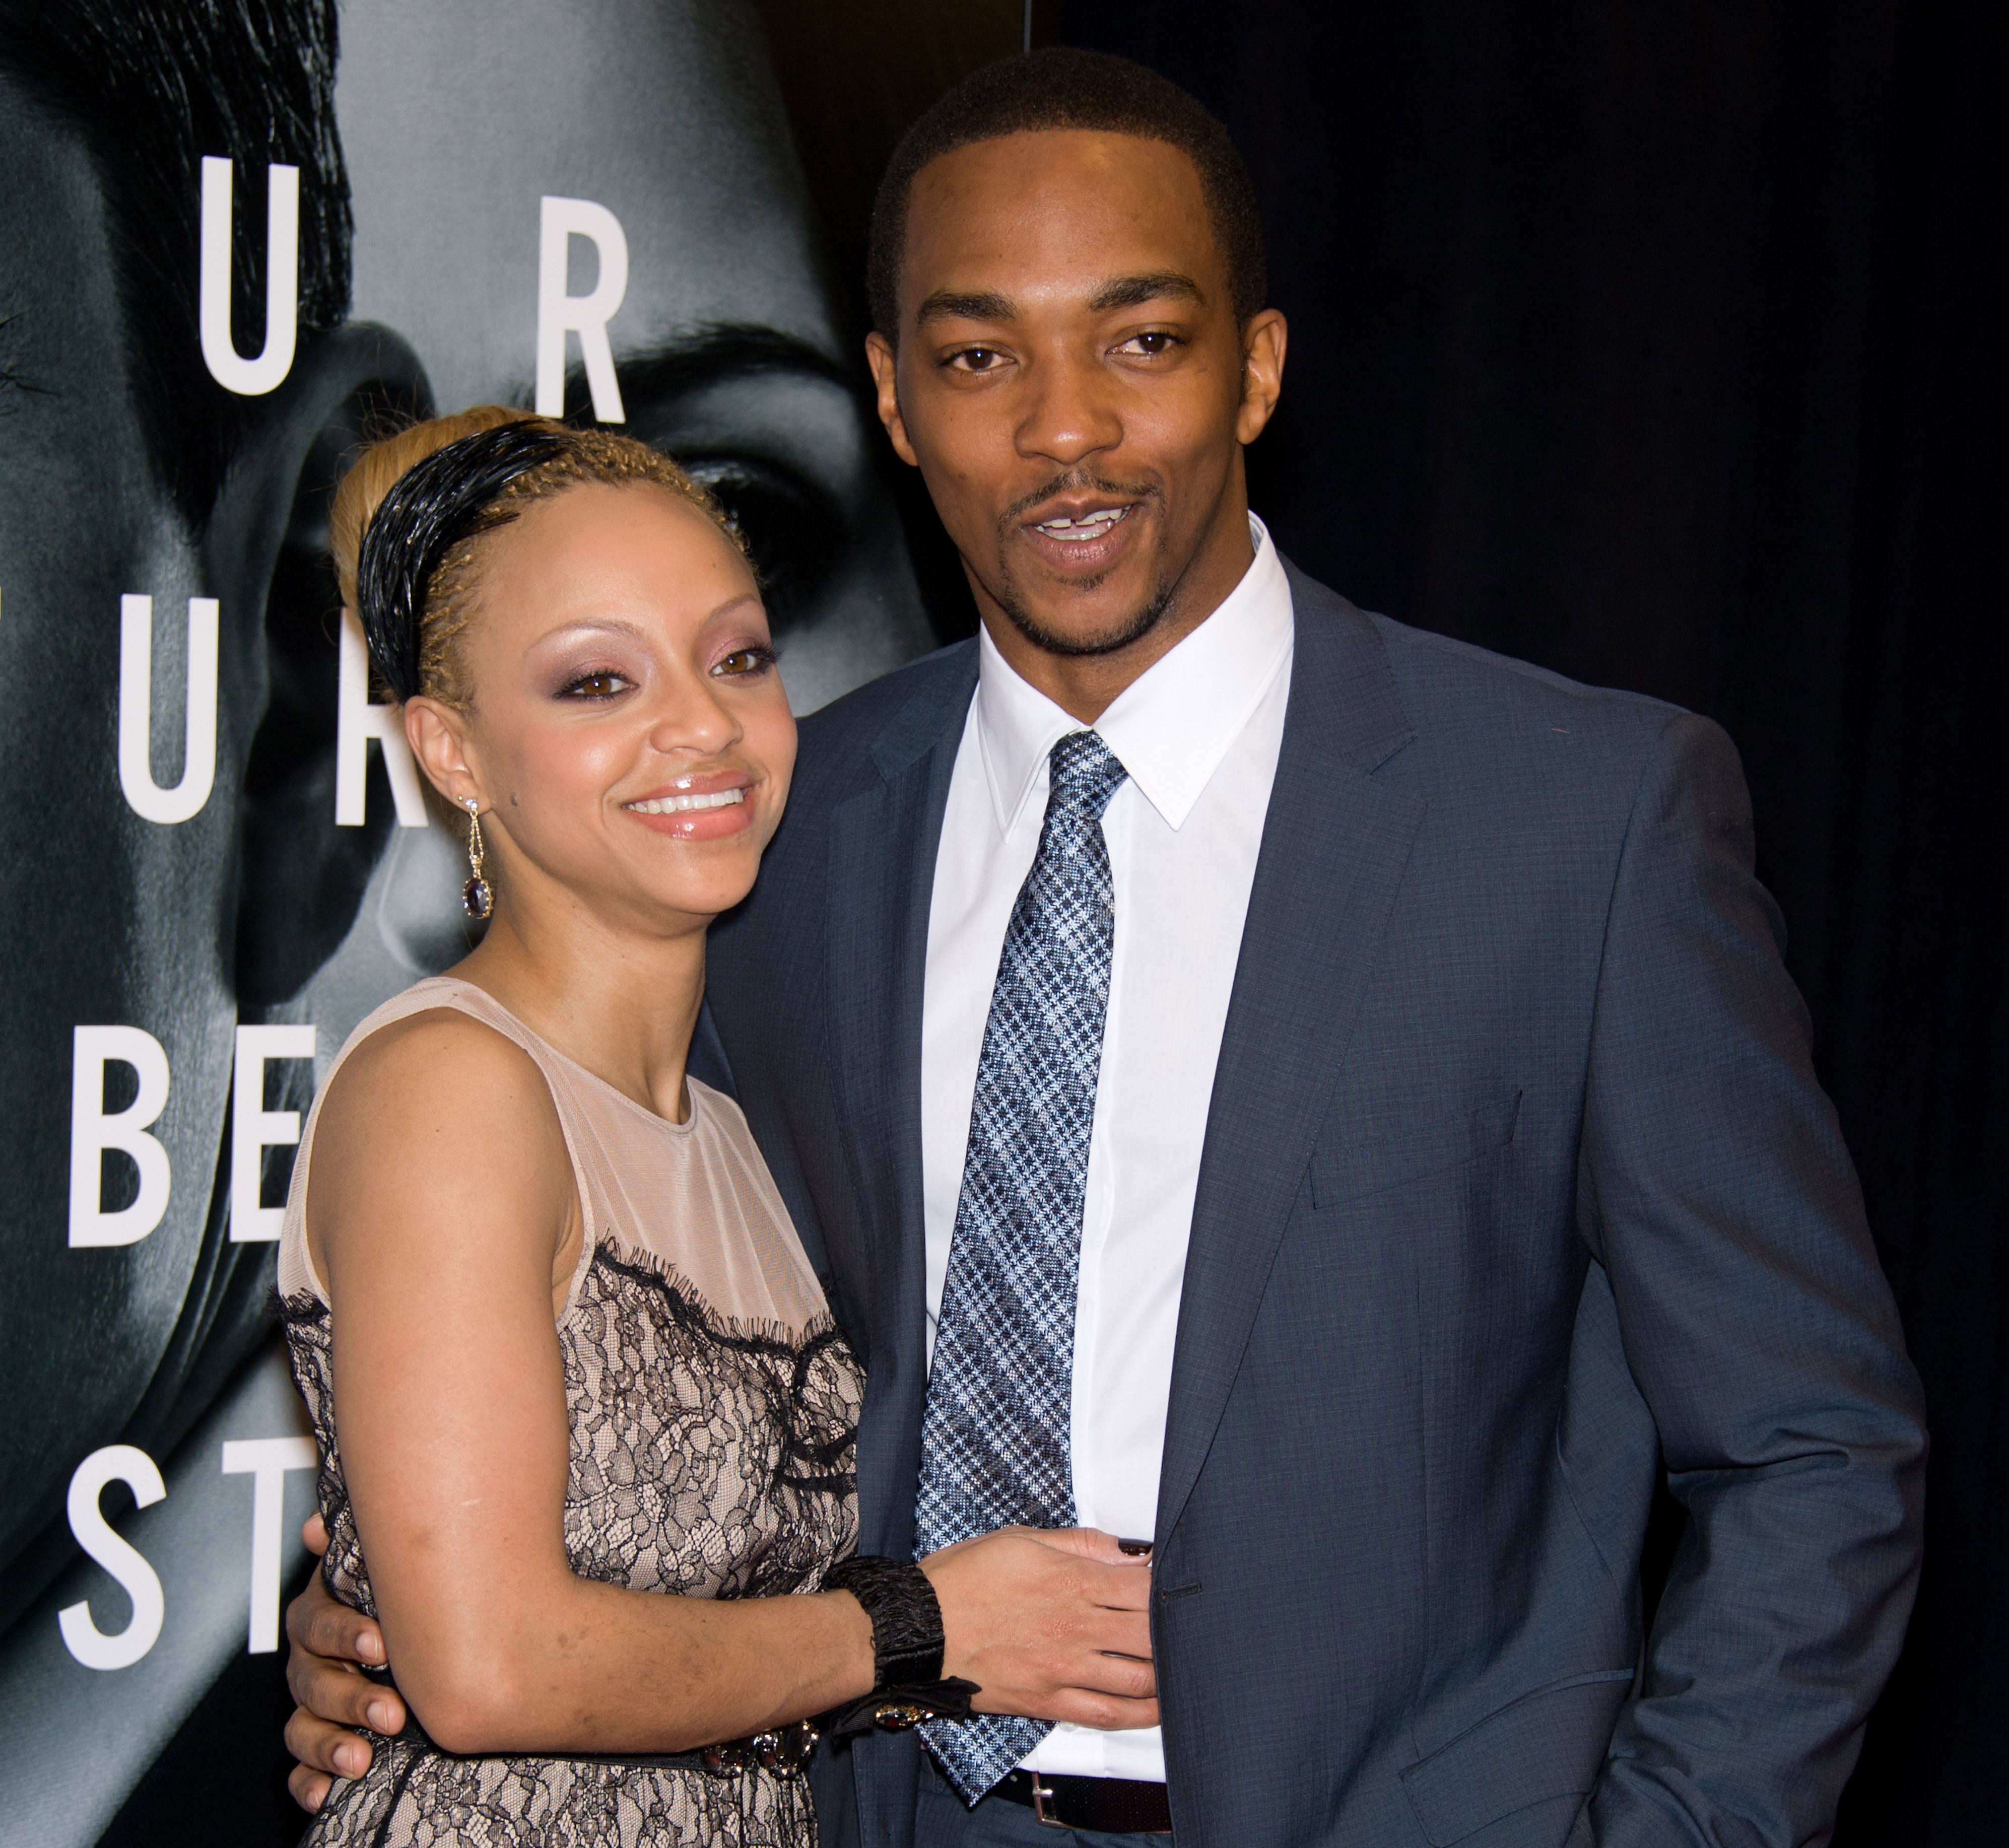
(994, 1438)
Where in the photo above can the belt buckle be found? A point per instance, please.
(1041, 1797)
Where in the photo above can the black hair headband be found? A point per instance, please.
(430, 509)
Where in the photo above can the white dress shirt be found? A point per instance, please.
(1198, 733)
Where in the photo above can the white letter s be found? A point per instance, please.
(117, 1463)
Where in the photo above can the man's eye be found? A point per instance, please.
(745, 661)
(1150, 344)
(603, 683)
(977, 358)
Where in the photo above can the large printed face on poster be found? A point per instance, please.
(215, 859)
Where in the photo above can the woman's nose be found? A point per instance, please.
(691, 717)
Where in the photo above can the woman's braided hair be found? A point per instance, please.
(410, 514)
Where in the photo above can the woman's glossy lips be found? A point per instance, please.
(684, 804)
(695, 813)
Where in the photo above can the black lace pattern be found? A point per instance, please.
(709, 1458)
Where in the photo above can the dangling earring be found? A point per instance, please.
(477, 897)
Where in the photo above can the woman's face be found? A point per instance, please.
(629, 741)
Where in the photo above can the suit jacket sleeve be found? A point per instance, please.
(1715, 1190)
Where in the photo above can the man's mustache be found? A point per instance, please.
(1075, 481)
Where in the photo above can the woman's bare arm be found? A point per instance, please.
(442, 1213)
(442, 1201)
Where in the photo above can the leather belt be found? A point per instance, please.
(1111, 1805)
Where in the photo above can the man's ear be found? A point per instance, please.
(301, 877)
(1263, 344)
(879, 355)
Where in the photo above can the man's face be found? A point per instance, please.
(106, 918)
(458, 116)
(1072, 383)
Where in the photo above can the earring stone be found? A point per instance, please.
(477, 897)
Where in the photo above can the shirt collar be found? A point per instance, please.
(1171, 726)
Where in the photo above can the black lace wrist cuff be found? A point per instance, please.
(906, 1616)
(906, 1649)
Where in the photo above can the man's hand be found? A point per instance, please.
(1054, 1623)
(329, 1640)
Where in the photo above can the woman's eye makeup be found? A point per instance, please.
(756, 658)
(596, 683)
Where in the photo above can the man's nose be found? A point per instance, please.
(1069, 413)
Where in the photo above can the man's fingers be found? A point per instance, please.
(333, 1692)
(309, 1788)
(318, 1622)
(333, 1750)
(314, 1532)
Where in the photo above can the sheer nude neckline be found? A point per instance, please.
(606, 1084)
(695, 1197)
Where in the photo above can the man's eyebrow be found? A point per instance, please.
(954, 304)
(692, 361)
(1153, 285)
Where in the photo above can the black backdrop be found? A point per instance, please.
(1663, 346)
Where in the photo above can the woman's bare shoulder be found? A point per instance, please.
(440, 1100)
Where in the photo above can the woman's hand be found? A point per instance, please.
(1053, 1623)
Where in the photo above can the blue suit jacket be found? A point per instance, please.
(1518, 1186)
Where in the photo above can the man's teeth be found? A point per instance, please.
(1090, 525)
(682, 805)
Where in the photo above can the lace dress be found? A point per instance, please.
(714, 1411)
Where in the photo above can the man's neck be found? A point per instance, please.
(1085, 686)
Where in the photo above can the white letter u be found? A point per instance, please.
(136, 711)
(250, 378)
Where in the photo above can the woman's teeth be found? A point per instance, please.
(682, 805)
(1090, 525)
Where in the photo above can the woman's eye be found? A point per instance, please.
(602, 683)
(745, 661)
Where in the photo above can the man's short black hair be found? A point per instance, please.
(1062, 88)
(153, 86)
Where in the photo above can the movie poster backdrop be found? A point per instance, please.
(236, 238)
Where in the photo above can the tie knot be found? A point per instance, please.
(1083, 774)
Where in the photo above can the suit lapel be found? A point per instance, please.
(882, 849)
(882, 846)
(1335, 844)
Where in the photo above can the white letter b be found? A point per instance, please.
(91, 1132)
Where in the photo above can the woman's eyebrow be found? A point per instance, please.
(616, 625)
(733, 602)
(599, 625)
